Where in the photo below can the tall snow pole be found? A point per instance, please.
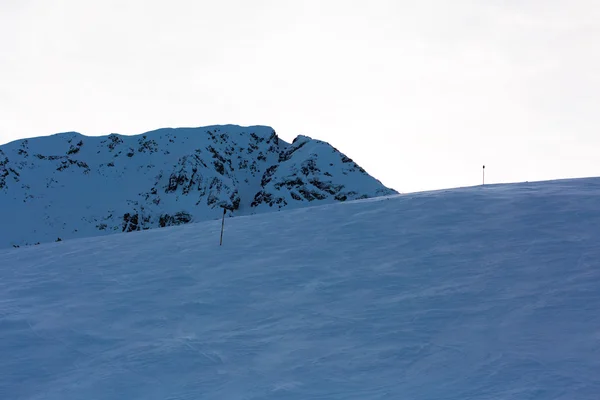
(225, 208)
(222, 226)
(483, 175)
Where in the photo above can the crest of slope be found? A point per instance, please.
(486, 293)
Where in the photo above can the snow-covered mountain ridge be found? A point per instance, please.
(69, 185)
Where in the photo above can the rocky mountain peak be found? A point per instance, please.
(69, 185)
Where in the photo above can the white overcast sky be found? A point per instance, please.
(421, 93)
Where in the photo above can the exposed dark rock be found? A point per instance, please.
(212, 199)
(256, 137)
(69, 162)
(113, 141)
(174, 181)
(75, 149)
(147, 145)
(130, 223)
(133, 222)
(273, 139)
(235, 200)
(326, 186)
(287, 154)
(175, 219)
(309, 167)
(261, 197)
(219, 167)
(290, 183)
(311, 195)
(268, 175)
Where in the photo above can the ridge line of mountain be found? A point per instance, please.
(71, 185)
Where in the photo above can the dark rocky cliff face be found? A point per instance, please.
(69, 185)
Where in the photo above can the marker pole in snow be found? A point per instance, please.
(483, 175)
(222, 226)
(225, 208)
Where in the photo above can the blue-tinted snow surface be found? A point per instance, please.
(477, 293)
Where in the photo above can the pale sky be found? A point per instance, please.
(420, 93)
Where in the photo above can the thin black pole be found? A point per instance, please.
(222, 226)
(484, 175)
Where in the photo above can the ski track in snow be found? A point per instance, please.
(474, 293)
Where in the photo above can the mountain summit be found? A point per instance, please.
(69, 185)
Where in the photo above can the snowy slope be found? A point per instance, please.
(69, 185)
(478, 293)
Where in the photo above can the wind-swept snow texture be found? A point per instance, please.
(476, 293)
(71, 186)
